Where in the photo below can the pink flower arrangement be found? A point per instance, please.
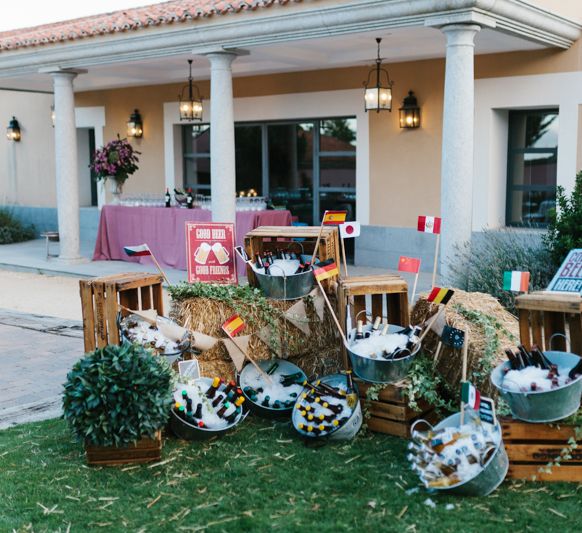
(116, 160)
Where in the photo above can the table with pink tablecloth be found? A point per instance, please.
(164, 231)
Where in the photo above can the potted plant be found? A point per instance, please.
(116, 399)
(115, 161)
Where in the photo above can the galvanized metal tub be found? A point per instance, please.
(489, 478)
(184, 430)
(380, 370)
(543, 406)
(268, 412)
(290, 287)
(348, 430)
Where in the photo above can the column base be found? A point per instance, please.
(71, 260)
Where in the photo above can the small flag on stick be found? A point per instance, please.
(334, 218)
(470, 395)
(453, 337)
(440, 296)
(349, 230)
(325, 272)
(233, 325)
(137, 251)
(429, 224)
(409, 264)
(516, 281)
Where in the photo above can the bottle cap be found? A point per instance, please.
(310, 428)
(177, 405)
(181, 408)
(239, 401)
(301, 425)
(201, 424)
(335, 423)
(310, 417)
(184, 393)
(216, 382)
(303, 413)
(321, 427)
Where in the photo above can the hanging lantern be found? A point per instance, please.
(190, 107)
(409, 112)
(135, 125)
(13, 130)
(378, 97)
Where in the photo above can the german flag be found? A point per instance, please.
(325, 272)
(233, 325)
(440, 296)
(334, 218)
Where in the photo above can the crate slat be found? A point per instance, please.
(572, 473)
(540, 453)
(143, 451)
(514, 430)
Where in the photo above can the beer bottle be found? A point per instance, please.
(272, 368)
(293, 395)
(525, 355)
(231, 385)
(334, 408)
(258, 261)
(231, 396)
(168, 198)
(545, 361)
(189, 405)
(182, 412)
(223, 409)
(201, 424)
(217, 399)
(177, 405)
(213, 388)
(266, 401)
(300, 268)
(576, 371)
(288, 403)
(310, 417)
(290, 379)
(184, 395)
(198, 413)
(376, 325)
(330, 390)
(302, 413)
(251, 393)
(359, 330)
(276, 404)
(307, 266)
(349, 381)
(266, 266)
(385, 329)
(513, 361)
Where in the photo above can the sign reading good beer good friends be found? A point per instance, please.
(569, 275)
(210, 251)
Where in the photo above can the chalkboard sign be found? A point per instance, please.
(568, 278)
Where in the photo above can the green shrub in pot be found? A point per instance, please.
(117, 395)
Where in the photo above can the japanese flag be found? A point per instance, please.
(349, 230)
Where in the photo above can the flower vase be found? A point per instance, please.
(116, 188)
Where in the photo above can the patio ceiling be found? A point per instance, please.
(398, 45)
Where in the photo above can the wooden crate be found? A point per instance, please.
(143, 451)
(390, 414)
(271, 238)
(388, 292)
(542, 314)
(531, 446)
(100, 298)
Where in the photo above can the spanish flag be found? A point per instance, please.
(440, 296)
(334, 218)
(325, 272)
(233, 325)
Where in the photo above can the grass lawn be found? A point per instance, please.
(259, 478)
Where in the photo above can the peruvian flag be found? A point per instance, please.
(429, 224)
(349, 230)
(470, 395)
(142, 249)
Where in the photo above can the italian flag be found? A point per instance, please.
(142, 249)
(470, 395)
(235, 324)
(516, 281)
(429, 224)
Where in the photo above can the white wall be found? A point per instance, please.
(493, 98)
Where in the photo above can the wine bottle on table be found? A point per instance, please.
(190, 199)
(168, 198)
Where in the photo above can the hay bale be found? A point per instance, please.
(490, 327)
(316, 353)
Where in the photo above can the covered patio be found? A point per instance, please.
(301, 61)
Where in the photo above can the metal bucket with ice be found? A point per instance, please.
(274, 399)
(351, 421)
(543, 406)
(282, 283)
(189, 427)
(493, 471)
(379, 370)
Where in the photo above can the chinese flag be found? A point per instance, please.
(409, 264)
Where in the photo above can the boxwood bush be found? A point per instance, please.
(12, 230)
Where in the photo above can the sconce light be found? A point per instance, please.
(378, 97)
(13, 130)
(409, 112)
(190, 106)
(135, 125)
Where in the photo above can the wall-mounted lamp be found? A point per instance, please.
(190, 106)
(378, 97)
(409, 112)
(135, 125)
(13, 130)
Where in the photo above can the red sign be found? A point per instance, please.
(210, 251)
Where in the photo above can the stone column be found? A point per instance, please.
(66, 165)
(457, 142)
(222, 154)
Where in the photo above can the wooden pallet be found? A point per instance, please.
(143, 451)
(543, 314)
(384, 291)
(100, 298)
(272, 238)
(390, 414)
(531, 446)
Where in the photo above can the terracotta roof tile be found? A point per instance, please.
(175, 11)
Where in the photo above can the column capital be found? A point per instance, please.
(222, 57)
(460, 34)
(62, 72)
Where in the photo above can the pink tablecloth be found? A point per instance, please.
(163, 229)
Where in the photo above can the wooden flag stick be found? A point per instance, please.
(317, 242)
(432, 321)
(436, 260)
(414, 289)
(437, 353)
(266, 376)
(345, 258)
(464, 372)
(332, 313)
(159, 267)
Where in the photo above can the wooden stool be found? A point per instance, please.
(50, 236)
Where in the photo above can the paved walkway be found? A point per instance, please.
(35, 355)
